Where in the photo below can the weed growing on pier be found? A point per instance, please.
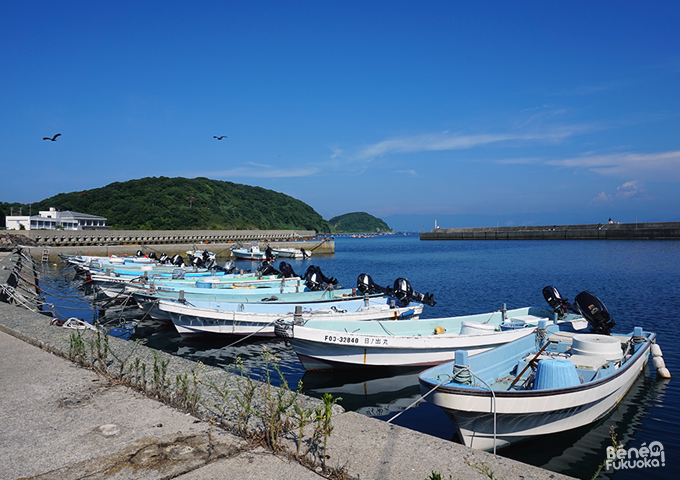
(76, 348)
(277, 402)
(160, 370)
(241, 399)
(122, 362)
(436, 476)
(186, 396)
(483, 469)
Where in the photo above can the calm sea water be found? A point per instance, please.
(639, 282)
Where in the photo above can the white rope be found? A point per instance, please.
(421, 398)
(78, 324)
(493, 395)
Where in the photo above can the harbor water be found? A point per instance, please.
(638, 280)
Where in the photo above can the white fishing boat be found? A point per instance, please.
(251, 253)
(556, 380)
(408, 343)
(291, 253)
(259, 318)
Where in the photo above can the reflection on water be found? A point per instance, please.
(637, 280)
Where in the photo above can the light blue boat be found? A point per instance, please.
(556, 380)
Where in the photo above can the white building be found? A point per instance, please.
(52, 220)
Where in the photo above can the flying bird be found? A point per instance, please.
(53, 138)
(220, 138)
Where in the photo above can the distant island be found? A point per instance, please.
(162, 203)
(358, 222)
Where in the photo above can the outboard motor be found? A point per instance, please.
(315, 279)
(266, 268)
(367, 286)
(229, 266)
(286, 270)
(164, 258)
(140, 253)
(402, 290)
(152, 256)
(177, 261)
(404, 293)
(560, 306)
(595, 312)
(196, 262)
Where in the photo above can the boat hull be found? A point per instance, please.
(333, 350)
(523, 414)
(190, 320)
(417, 343)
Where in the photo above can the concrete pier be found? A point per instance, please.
(74, 405)
(598, 231)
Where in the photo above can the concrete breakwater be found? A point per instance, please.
(598, 231)
(172, 242)
(185, 421)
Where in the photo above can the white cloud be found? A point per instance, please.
(629, 189)
(664, 166)
(448, 141)
(601, 199)
(411, 173)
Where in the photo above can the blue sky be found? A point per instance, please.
(471, 113)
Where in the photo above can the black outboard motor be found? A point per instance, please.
(595, 312)
(315, 280)
(286, 270)
(196, 262)
(164, 258)
(404, 293)
(177, 260)
(152, 256)
(266, 268)
(560, 306)
(367, 286)
(140, 253)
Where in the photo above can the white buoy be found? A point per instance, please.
(659, 363)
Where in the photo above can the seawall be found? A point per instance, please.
(601, 231)
(172, 242)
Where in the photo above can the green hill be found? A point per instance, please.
(358, 222)
(181, 203)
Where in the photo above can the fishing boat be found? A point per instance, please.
(251, 253)
(204, 255)
(319, 290)
(291, 253)
(552, 381)
(78, 260)
(115, 286)
(259, 318)
(407, 343)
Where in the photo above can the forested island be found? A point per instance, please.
(162, 203)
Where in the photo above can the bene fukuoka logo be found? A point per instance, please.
(644, 457)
